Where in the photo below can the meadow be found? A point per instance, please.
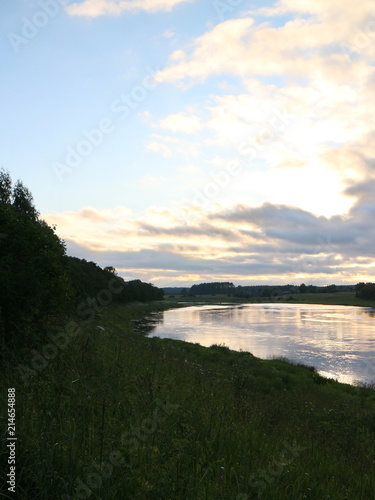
(116, 415)
(337, 298)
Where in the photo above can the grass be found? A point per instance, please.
(116, 415)
(338, 298)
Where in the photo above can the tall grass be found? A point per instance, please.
(116, 415)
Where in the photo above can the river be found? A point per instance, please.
(339, 341)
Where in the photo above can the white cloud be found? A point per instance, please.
(159, 147)
(181, 122)
(97, 8)
(326, 9)
(321, 104)
(170, 146)
(313, 47)
(270, 242)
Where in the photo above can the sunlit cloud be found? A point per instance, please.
(181, 122)
(310, 47)
(97, 8)
(266, 243)
(159, 147)
(323, 9)
(299, 128)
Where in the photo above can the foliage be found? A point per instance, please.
(252, 291)
(23, 200)
(38, 280)
(5, 187)
(211, 288)
(365, 291)
(139, 291)
(32, 273)
(88, 279)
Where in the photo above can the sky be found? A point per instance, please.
(185, 141)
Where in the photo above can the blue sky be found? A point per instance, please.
(246, 155)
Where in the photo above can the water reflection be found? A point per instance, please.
(338, 340)
(147, 325)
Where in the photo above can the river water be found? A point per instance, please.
(339, 341)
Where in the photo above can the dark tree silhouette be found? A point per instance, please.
(38, 280)
(365, 291)
(23, 200)
(5, 187)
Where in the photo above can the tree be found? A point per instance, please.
(23, 200)
(33, 280)
(5, 187)
(302, 288)
(212, 288)
(365, 291)
(38, 280)
(358, 287)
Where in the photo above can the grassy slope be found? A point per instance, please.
(182, 421)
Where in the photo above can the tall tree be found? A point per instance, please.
(5, 187)
(33, 280)
(23, 200)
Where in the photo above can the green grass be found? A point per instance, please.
(339, 298)
(116, 415)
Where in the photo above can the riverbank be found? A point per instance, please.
(338, 298)
(116, 415)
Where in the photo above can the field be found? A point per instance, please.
(115, 415)
(338, 298)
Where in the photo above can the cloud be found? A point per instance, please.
(269, 243)
(212, 53)
(181, 122)
(159, 147)
(326, 9)
(97, 8)
(317, 46)
(170, 146)
(293, 225)
(299, 109)
(321, 96)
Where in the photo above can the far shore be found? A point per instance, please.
(338, 298)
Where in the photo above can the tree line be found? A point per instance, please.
(211, 288)
(365, 291)
(228, 288)
(38, 280)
